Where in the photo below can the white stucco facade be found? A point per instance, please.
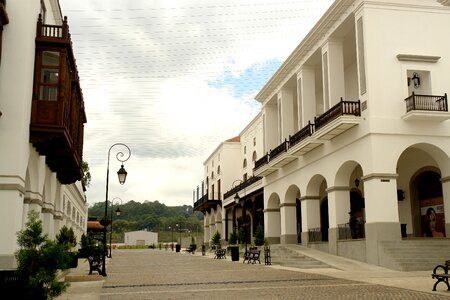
(26, 181)
(356, 121)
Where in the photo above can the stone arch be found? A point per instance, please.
(417, 165)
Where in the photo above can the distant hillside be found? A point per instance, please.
(151, 216)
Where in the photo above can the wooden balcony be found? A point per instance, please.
(426, 108)
(302, 142)
(205, 204)
(57, 122)
(337, 119)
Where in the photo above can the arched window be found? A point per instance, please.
(254, 156)
(244, 165)
(218, 170)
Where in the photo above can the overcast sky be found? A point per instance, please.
(172, 79)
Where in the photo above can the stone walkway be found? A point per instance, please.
(160, 274)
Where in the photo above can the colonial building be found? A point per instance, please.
(355, 155)
(41, 123)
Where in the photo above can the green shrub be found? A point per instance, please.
(39, 259)
(259, 235)
(216, 239)
(233, 237)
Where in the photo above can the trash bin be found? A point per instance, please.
(203, 250)
(177, 248)
(234, 252)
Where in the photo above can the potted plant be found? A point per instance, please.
(215, 240)
(234, 247)
(66, 237)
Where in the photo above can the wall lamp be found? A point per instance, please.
(415, 80)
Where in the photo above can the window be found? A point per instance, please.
(212, 176)
(244, 164)
(218, 170)
(49, 76)
(244, 177)
(361, 59)
(254, 141)
(245, 149)
(254, 156)
(43, 11)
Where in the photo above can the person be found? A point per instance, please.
(353, 222)
(430, 225)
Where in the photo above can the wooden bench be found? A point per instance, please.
(95, 264)
(220, 253)
(252, 256)
(190, 250)
(441, 275)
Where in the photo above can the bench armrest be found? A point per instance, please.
(444, 269)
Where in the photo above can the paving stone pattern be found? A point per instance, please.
(156, 274)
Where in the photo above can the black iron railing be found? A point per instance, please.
(340, 109)
(262, 161)
(283, 147)
(242, 186)
(303, 133)
(426, 103)
(315, 235)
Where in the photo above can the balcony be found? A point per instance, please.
(338, 119)
(57, 113)
(242, 186)
(262, 167)
(205, 204)
(426, 108)
(302, 142)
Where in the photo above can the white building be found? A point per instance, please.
(41, 123)
(141, 238)
(356, 121)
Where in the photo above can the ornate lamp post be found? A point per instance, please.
(118, 211)
(122, 174)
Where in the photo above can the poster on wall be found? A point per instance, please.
(432, 217)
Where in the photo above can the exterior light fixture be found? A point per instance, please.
(357, 182)
(415, 80)
(122, 174)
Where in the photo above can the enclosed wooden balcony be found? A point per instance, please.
(58, 115)
(426, 108)
(337, 119)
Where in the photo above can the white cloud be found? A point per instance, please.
(145, 69)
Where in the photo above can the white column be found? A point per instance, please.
(271, 138)
(338, 208)
(333, 72)
(287, 121)
(272, 222)
(306, 95)
(310, 215)
(288, 213)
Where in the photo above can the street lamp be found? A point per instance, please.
(236, 197)
(171, 242)
(118, 211)
(122, 174)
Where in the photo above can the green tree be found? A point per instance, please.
(259, 235)
(39, 259)
(233, 237)
(86, 180)
(242, 235)
(66, 236)
(216, 239)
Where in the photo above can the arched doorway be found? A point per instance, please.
(428, 204)
(357, 206)
(324, 223)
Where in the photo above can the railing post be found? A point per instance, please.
(39, 26)
(65, 28)
(445, 102)
(413, 98)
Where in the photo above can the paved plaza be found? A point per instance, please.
(160, 274)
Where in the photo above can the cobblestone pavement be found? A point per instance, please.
(156, 274)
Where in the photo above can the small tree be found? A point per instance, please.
(66, 236)
(39, 259)
(216, 239)
(233, 237)
(242, 235)
(259, 235)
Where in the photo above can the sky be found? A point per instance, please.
(172, 79)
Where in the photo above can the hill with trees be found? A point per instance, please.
(152, 216)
